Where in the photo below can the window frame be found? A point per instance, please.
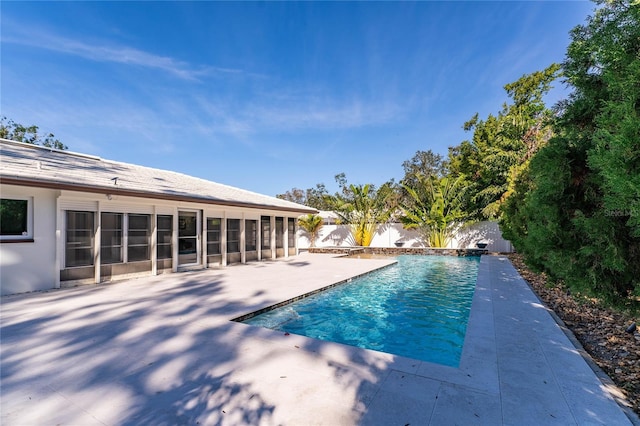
(233, 236)
(214, 245)
(280, 232)
(291, 229)
(159, 230)
(250, 235)
(90, 247)
(103, 231)
(27, 236)
(131, 230)
(265, 232)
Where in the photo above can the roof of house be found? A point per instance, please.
(31, 165)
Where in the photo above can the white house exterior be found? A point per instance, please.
(69, 218)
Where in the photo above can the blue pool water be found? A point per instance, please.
(417, 308)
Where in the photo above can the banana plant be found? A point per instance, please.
(434, 209)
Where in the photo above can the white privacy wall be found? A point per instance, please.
(388, 235)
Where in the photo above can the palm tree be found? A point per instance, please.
(363, 208)
(435, 209)
(312, 223)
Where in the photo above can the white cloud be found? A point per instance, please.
(102, 52)
(295, 113)
(314, 114)
(158, 115)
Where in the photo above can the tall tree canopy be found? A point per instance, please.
(502, 144)
(27, 134)
(423, 164)
(317, 197)
(580, 221)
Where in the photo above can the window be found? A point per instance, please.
(265, 223)
(214, 228)
(279, 232)
(79, 239)
(164, 236)
(233, 235)
(291, 223)
(15, 219)
(139, 237)
(250, 235)
(111, 238)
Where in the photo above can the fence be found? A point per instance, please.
(393, 235)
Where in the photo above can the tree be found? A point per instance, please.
(424, 163)
(436, 211)
(364, 208)
(502, 144)
(311, 223)
(27, 134)
(295, 195)
(580, 221)
(317, 197)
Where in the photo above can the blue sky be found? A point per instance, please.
(268, 96)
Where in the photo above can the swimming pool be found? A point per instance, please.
(417, 308)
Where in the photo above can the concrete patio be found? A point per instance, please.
(162, 351)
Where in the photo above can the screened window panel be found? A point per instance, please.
(214, 228)
(233, 246)
(292, 232)
(111, 238)
(265, 232)
(279, 232)
(165, 222)
(139, 221)
(164, 252)
(79, 239)
(251, 235)
(233, 235)
(139, 237)
(78, 257)
(110, 255)
(164, 235)
(138, 253)
(213, 247)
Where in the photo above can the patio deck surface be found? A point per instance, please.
(162, 351)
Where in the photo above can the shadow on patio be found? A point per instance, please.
(158, 351)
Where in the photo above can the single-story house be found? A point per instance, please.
(69, 218)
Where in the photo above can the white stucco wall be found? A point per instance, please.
(388, 234)
(488, 232)
(31, 266)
